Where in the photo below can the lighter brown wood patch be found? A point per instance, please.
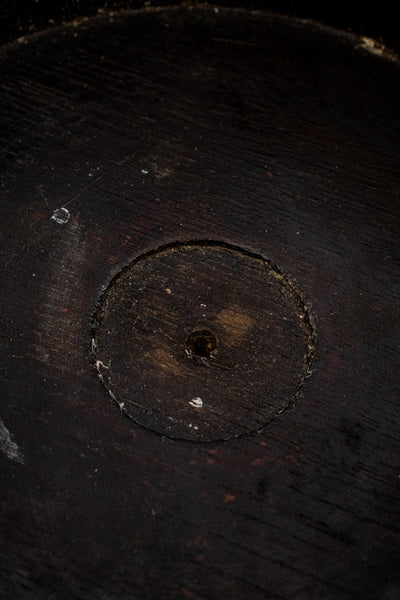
(235, 323)
(164, 359)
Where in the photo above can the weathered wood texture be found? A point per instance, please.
(376, 20)
(126, 134)
(202, 341)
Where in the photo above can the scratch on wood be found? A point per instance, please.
(8, 447)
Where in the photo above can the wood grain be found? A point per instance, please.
(129, 133)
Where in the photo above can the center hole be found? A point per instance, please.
(202, 343)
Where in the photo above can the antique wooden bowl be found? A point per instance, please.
(199, 308)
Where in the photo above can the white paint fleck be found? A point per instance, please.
(372, 45)
(8, 447)
(101, 365)
(94, 171)
(196, 402)
(113, 396)
(61, 216)
(145, 172)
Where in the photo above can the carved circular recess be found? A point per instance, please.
(202, 341)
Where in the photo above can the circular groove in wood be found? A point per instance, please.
(202, 341)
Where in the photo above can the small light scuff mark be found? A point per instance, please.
(8, 447)
(372, 45)
(120, 404)
(100, 367)
(61, 216)
(196, 402)
(377, 48)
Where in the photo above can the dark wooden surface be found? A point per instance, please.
(202, 341)
(376, 20)
(133, 132)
